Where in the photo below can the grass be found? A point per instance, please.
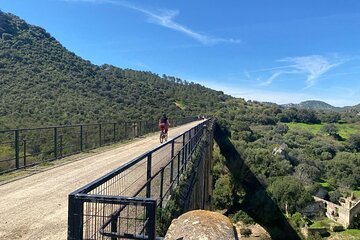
(325, 222)
(345, 129)
(357, 192)
(327, 186)
(349, 234)
(180, 104)
(317, 224)
(313, 128)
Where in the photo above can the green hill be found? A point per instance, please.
(313, 104)
(323, 106)
(42, 83)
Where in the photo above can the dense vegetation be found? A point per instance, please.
(42, 83)
(292, 152)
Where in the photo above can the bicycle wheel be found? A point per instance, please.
(161, 137)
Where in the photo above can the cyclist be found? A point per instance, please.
(164, 123)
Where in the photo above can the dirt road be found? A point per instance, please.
(36, 207)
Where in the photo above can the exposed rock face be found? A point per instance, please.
(281, 150)
(257, 231)
(201, 225)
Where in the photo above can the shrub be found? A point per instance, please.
(246, 232)
(242, 216)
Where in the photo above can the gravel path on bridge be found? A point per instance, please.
(36, 207)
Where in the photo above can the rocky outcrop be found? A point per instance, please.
(281, 150)
(257, 232)
(201, 225)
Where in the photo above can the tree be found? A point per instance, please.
(330, 129)
(223, 192)
(243, 217)
(335, 196)
(314, 236)
(307, 173)
(354, 142)
(288, 115)
(281, 128)
(329, 117)
(297, 219)
(290, 192)
(307, 116)
(344, 169)
(280, 167)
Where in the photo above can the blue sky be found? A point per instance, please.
(267, 50)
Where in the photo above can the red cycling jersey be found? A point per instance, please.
(164, 124)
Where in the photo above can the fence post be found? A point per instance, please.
(183, 155)
(204, 179)
(186, 155)
(172, 161)
(17, 148)
(184, 139)
(81, 138)
(61, 146)
(125, 131)
(151, 213)
(186, 151)
(24, 143)
(190, 141)
(114, 132)
(178, 168)
(161, 187)
(86, 140)
(75, 218)
(100, 134)
(148, 176)
(133, 129)
(114, 228)
(55, 142)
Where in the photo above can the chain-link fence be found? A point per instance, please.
(123, 203)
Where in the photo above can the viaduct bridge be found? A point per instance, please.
(135, 187)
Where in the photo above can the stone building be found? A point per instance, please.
(345, 213)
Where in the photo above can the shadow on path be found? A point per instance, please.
(257, 203)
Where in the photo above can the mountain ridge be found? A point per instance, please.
(320, 105)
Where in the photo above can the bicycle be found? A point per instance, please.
(163, 136)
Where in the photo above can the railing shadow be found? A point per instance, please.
(257, 203)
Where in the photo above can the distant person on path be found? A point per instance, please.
(164, 123)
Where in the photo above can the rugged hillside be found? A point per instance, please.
(353, 109)
(323, 106)
(43, 83)
(313, 104)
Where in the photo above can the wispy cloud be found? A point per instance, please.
(165, 18)
(313, 66)
(269, 69)
(284, 97)
(271, 79)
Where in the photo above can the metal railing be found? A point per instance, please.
(123, 203)
(20, 148)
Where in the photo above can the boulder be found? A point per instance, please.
(201, 225)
